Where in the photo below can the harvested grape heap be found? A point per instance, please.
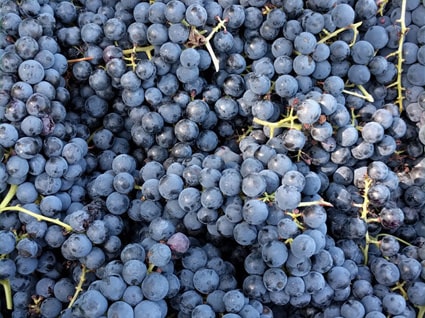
(202, 158)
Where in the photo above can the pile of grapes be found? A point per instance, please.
(212, 158)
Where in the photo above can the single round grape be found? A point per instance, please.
(342, 15)
(308, 111)
(303, 246)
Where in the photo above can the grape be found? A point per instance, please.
(314, 216)
(342, 15)
(352, 307)
(372, 132)
(76, 246)
(244, 233)
(338, 277)
(274, 253)
(286, 86)
(362, 52)
(147, 308)
(303, 246)
(304, 65)
(189, 300)
(159, 254)
(287, 228)
(305, 43)
(91, 304)
(287, 197)
(203, 311)
(308, 111)
(205, 280)
(155, 286)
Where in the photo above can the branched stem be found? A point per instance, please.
(353, 27)
(381, 6)
(196, 38)
(267, 198)
(79, 287)
(365, 204)
(295, 216)
(353, 118)
(287, 122)
(364, 94)
(130, 54)
(365, 249)
(399, 54)
(151, 268)
(140, 49)
(400, 287)
(39, 217)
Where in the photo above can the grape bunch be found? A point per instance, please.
(201, 159)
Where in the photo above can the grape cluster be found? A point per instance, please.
(209, 158)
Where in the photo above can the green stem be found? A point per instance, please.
(267, 197)
(151, 268)
(221, 25)
(367, 97)
(381, 6)
(38, 217)
(9, 196)
(7, 292)
(403, 30)
(366, 94)
(395, 237)
(365, 204)
(139, 49)
(79, 287)
(354, 27)
(421, 311)
(287, 122)
(365, 249)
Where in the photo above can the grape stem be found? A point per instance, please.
(354, 118)
(130, 54)
(365, 249)
(320, 202)
(88, 58)
(287, 122)
(400, 59)
(400, 287)
(267, 198)
(421, 311)
(7, 292)
(381, 5)
(139, 49)
(9, 196)
(364, 94)
(295, 216)
(79, 287)
(365, 204)
(196, 38)
(353, 27)
(395, 237)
